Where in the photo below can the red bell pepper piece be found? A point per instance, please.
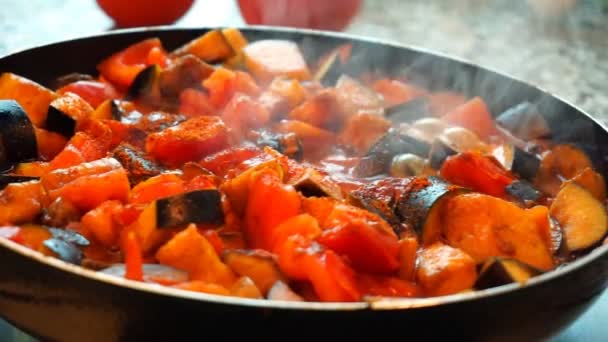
(375, 285)
(475, 116)
(122, 67)
(367, 240)
(222, 162)
(480, 173)
(133, 258)
(94, 92)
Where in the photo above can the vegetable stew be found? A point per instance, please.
(247, 169)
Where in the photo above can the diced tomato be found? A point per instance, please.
(193, 102)
(333, 280)
(375, 285)
(94, 92)
(243, 113)
(270, 203)
(122, 67)
(475, 116)
(191, 140)
(364, 238)
(222, 162)
(471, 169)
(396, 92)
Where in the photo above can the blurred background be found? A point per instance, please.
(558, 45)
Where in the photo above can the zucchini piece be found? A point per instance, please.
(7, 179)
(500, 271)
(281, 291)
(523, 191)
(146, 85)
(582, 217)
(33, 98)
(211, 47)
(17, 135)
(524, 121)
(258, 265)
(420, 205)
(136, 163)
(409, 111)
(314, 184)
(440, 151)
(380, 155)
(108, 110)
(200, 206)
(65, 112)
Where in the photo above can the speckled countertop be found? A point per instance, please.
(565, 55)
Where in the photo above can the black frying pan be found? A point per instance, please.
(54, 300)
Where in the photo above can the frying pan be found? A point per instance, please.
(54, 300)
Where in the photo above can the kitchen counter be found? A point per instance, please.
(566, 55)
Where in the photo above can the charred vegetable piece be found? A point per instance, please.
(31, 96)
(501, 271)
(146, 84)
(390, 145)
(258, 265)
(288, 144)
(135, 162)
(153, 273)
(60, 213)
(211, 47)
(582, 217)
(409, 111)
(7, 179)
(201, 206)
(420, 205)
(69, 236)
(440, 151)
(523, 191)
(381, 197)
(65, 112)
(281, 291)
(407, 165)
(524, 121)
(185, 72)
(66, 251)
(17, 136)
(312, 183)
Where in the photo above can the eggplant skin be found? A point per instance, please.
(523, 191)
(59, 122)
(17, 136)
(200, 206)
(525, 164)
(524, 121)
(500, 271)
(8, 179)
(440, 151)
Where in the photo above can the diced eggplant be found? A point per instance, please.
(60, 213)
(383, 151)
(64, 113)
(70, 78)
(69, 236)
(17, 136)
(281, 291)
(380, 197)
(287, 144)
(7, 179)
(60, 122)
(136, 163)
(146, 85)
(500, 271)
(407, 165)
(108, 110)
(65, 251)
(33, 97)
(562, 162)
(593, 182)
(153, 273)
(524, 121)
(408, 111)
(582, 217)
(258, 265)
(186, 72)
(200, 206)
(525, 164)
(523, 191)
(419, 206)
(440, 151)
(314, 184)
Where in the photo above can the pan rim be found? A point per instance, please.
(370, 303)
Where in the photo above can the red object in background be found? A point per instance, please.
(318, 14)
(132, 13)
